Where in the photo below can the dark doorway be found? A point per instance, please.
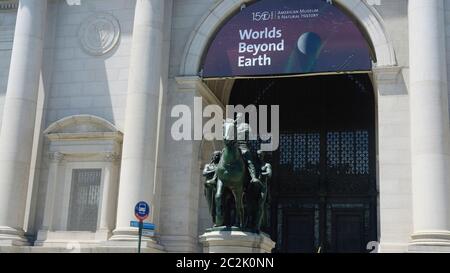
(323, 193)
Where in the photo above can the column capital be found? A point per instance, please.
(187, 82)
(56, 157)
(112, 157)
(196, 84)
(8, 4)
(390, 80)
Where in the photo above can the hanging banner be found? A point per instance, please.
(282, 37)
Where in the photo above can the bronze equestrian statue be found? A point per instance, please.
(236, 185)
(231, 175)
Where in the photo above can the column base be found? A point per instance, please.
(386, 247)
(236, 242)
(128, 239)
(69, 239)
(430, 241)
(12, 237)
(181, 244)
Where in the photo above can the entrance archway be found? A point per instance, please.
(323, 193)
(366, 16)
(385, 73)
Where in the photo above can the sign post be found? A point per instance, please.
(141, 212)
(140, 236)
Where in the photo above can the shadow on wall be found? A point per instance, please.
(7, 24)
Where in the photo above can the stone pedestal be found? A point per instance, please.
(236, 242)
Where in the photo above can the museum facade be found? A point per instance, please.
(88, 88)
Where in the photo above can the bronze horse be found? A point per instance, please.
(231, 175)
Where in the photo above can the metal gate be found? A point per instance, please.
(84, 200)
(323, 192)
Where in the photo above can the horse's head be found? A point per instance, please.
(229, 132)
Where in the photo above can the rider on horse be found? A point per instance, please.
(243, 132)
(228, 175)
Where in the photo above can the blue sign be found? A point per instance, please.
(149, 233)
(142, 210)
(148, 226)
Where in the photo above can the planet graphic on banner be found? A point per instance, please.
(310, 45)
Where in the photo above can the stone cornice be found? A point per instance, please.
(116, 136)
(8, 4)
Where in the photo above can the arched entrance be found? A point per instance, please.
(323, 193)
(357, 203)
(366, 16)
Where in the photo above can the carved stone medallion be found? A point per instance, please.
(99, 34)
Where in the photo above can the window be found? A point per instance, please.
(83, 167)
(84, 200)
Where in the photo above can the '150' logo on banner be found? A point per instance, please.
(262, 16)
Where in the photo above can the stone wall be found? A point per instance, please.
(85, 81)
(7, 23)
(394, 157)
(82, 77)
(394, 167)
(80, 81)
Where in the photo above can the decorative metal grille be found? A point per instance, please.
(325, 165)
(348, 153)
(84, 200)
(362, 153)
(255, 145)
(300, 153)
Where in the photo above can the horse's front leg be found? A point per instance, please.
(238, 197)
(219, 204)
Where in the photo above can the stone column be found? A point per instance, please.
(109, 195)
(430, 133)
(55, 161)
(141, 118)
(53, 174)
(16, 137)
